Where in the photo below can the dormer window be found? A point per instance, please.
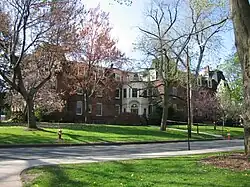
(199, 81)
(79, 91)
(136, 77)
(209, 83)
(117, 77)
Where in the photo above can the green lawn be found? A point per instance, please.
(90, 133)
(172, 172)
(235, 132)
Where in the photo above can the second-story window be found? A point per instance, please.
(174, 91)
(117, 93)
(124, 93)
(134, 92)
(79, 91)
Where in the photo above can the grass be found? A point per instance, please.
(174, 172)
(90, 133)
(235, 132)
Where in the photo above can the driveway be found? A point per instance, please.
(14, 160)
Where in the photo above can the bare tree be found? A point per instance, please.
(167, 41)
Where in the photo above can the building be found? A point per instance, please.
(135, 93)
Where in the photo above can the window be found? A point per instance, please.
(134, 92)
(99, 109)
(79, 91)
(90, 108)
(117, 77)
(209, 83)
(136, 77)
(117, 109)
(144, 111)
(174, 91)
(124, 110)
(117, 93)
(144, 93)
(79, 108)
(150, 109)
(199, 81)
(134, 109)
(124, 93)
(99, 93)
(175, 107)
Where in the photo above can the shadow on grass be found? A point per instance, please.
(130, 130)
(157, 172)
(8, 138)
(55, 175)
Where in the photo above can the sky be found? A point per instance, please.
(126, 19)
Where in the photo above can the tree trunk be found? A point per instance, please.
(31, 113)
(165, 109)
(85, 107)
(247, 140)
(240, 10)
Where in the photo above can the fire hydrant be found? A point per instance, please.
(228, 135)
(59, 134)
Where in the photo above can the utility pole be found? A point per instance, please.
(188, 100)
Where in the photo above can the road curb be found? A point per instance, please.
(97, 144)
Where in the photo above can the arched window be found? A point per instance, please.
(134, 108)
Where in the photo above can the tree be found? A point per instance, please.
(168, 39)
(240, 10)
(98, 54)
(30, 26)
(232, 70)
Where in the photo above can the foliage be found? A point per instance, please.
(173, 171)
(17, 117)
(232, 70)
(205, 105)
(230, 93)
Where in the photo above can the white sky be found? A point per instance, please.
(124, 20)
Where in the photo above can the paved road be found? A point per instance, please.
(14, 161)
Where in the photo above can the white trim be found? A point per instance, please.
(101, 109)
(199, 81)
(77, 102)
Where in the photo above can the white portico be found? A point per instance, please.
(133, 92)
